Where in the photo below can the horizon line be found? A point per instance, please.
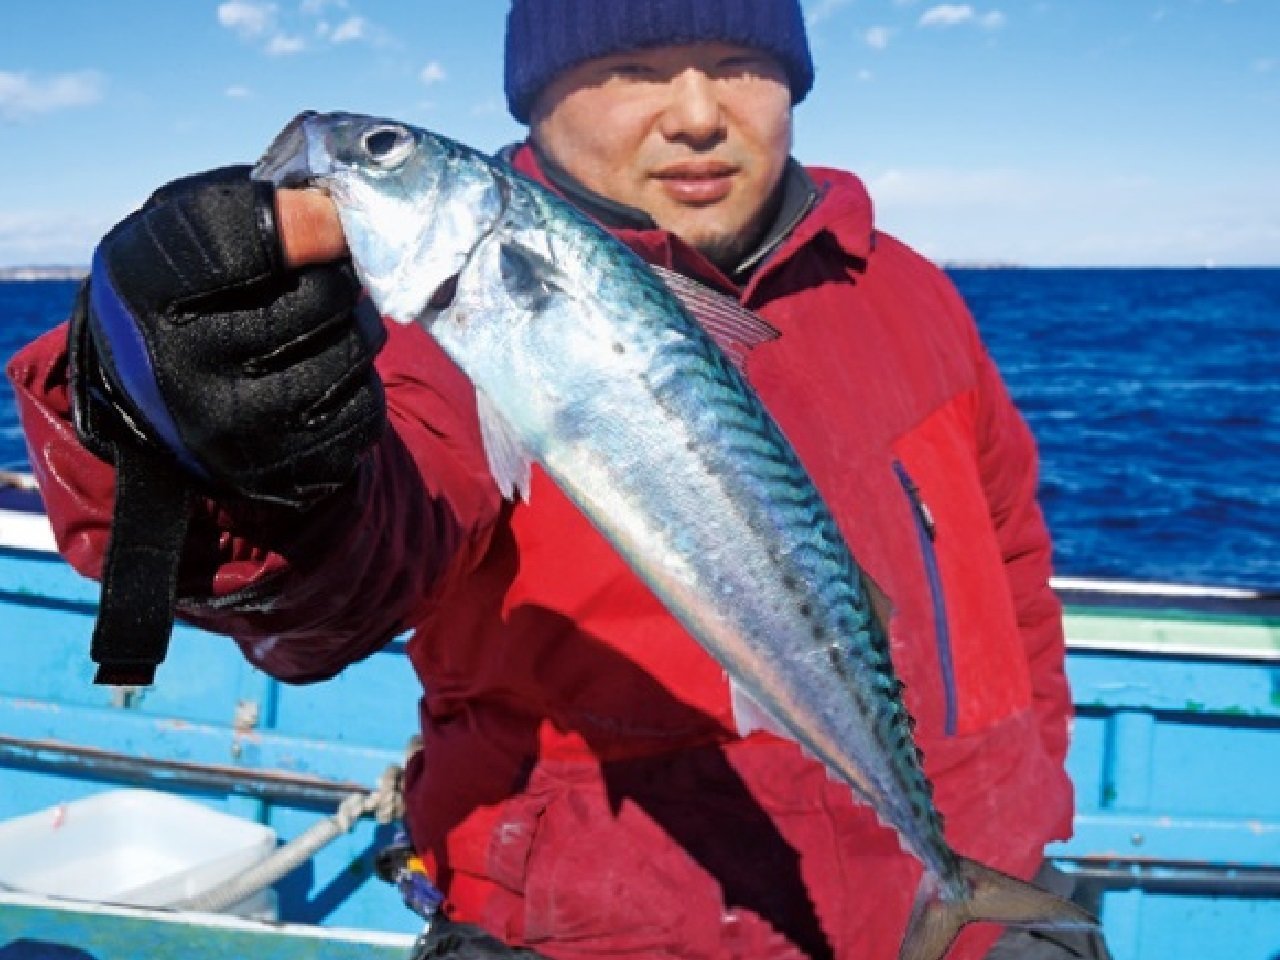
(60, 271)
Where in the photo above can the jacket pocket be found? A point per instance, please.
(965, 599)
(926, 531)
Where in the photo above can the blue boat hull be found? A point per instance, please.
(39, 929)
(1173, 756)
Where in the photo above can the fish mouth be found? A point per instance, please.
(287, 161)
(300, 157)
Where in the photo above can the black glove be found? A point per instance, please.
(194, 336)
(199, 362)
(447, 940)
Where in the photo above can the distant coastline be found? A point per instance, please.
(980, 265)
(43, 272)
(65, 272)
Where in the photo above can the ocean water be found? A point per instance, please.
(1154, 396)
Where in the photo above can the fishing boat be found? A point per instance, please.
(1174, 756)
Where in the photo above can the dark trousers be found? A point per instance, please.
(460, 941)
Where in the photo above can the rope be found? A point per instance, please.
(385, 803)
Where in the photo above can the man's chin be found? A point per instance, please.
(715, 234)
(726, 251)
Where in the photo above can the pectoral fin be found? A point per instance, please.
(509, 464)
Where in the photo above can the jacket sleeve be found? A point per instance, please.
(303, 594)
(1009, 467)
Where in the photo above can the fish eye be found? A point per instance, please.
(387, 145)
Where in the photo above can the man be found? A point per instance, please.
(582, 790)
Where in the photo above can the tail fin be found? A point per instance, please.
(993, 896)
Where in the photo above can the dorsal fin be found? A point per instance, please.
(734, 328)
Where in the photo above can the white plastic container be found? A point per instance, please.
(136, 847)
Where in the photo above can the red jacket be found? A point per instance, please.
(582, 789)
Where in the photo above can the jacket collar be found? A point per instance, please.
(815, 201)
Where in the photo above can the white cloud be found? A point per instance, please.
(283, 45)
(823, 10)
(247, 20)
(491, 107)
(946, 15)
(949, 188)
(1265, 65)
(432, 73)
(1031, 217)
(283, 33)
(50, 236)
(955, 14)
(353, 28)
(238, 92)
(254, 22)
(22, 95)
(877, 38)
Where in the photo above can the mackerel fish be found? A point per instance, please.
(589, 363)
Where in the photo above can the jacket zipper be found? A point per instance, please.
(927, 532)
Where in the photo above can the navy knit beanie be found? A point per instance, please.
(546, 37)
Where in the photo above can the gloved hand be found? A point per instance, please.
(448, 940)
(196, 337)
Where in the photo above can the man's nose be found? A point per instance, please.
(693, 112)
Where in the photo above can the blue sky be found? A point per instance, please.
(1074, 132)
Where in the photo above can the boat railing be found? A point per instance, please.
(1173, 751)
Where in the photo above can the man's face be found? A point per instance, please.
(696, 136)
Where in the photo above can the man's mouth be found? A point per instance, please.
(698, 182)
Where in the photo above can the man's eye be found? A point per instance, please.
(632, 70)
(753, 65)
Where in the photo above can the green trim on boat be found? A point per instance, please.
(1229, 636)
(115, 933)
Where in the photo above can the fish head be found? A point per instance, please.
(413, 205)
